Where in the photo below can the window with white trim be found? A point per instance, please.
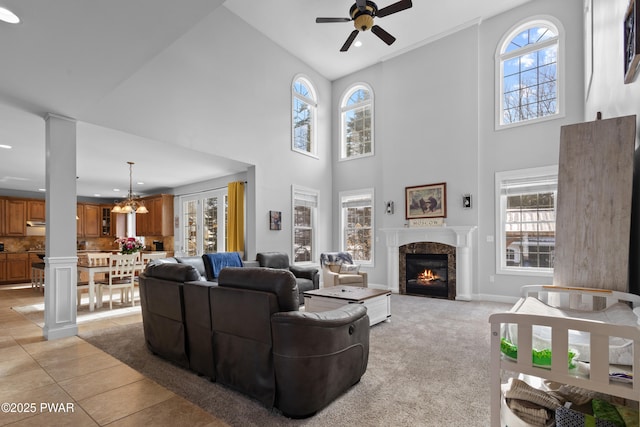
(203, 222)
(356, 120)
(529, 73)
(303, 123)
(357, 225)
(305, 207)
(526, 221)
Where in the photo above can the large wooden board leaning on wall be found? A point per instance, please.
(593, 218)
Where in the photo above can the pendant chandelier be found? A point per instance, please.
(132, 203)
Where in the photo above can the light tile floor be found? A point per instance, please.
(69, 382)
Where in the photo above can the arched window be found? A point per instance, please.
(356, 133)
(304, 105)
(528, 63)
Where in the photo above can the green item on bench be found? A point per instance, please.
(606, 411)
(539, 357)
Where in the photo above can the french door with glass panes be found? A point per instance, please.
(203, 222)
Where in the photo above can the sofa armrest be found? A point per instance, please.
(304, 272)
(365, 278)
(330, 278)
(318, 356)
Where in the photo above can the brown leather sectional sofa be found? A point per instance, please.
(246, 332)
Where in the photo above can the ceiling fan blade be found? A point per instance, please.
(393, 8)
(345, 47)
(325, 20)
(384, 36)
(361, 5)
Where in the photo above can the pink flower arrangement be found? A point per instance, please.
(129, 245)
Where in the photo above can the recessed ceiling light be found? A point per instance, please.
(97, 195)
(358, 43)
(140, 183)
(7, 16)
(8, 147)
(116, 189)
(42, 189)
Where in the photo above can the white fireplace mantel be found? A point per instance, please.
(458, 236)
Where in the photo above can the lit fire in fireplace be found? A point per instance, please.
(426, 277)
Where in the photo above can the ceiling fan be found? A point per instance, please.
(362, 14)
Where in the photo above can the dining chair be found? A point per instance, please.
(93, 259)
(121, 274)
(146, 257)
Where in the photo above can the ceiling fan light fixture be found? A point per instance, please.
(363, 22)
(9, 17)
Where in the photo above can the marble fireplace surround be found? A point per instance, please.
(459, 237)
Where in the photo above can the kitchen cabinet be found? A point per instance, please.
(36, 210)
(17, 268)
(112, 224)
(3, 267)
(3, 204)
(89, 220)
(15, 221)
(159, 220)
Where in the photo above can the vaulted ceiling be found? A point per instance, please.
(67, 55)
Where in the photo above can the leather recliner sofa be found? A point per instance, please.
(163, 311)
(308, 278)
(201, 264)
(246, 332)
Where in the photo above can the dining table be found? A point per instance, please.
(91, 270)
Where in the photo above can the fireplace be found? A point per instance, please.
(427, 274)
(427, 269)
(458, 244)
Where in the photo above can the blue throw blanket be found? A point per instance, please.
(221, 260)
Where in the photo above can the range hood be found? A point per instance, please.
(36, 224)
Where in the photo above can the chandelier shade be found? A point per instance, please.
(132, 203)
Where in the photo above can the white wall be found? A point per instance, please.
(525, 146)
(426, 123)
(239, 83)
(434, 122)
(609, 95)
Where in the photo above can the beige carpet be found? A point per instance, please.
(429, 366)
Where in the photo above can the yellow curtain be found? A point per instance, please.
(235, 228)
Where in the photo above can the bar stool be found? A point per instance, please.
(37, 275)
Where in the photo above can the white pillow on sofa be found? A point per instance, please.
(349, 268)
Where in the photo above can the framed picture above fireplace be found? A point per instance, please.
(426, 201)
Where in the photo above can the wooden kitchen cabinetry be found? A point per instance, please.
(159, 220)
(17, 268)
(15, 221)
(3, 203)
(89, 220)
(112, 224)
(3, 267)
(36, 210)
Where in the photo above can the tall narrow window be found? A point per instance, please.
(305, 206)
(204, 220)
(357, 224)
(303, 117)
(356, 122)
(528, 61)
(526, 224)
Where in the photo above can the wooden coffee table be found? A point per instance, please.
(377, 301)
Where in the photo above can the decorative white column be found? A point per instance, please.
(61, 256)
(459, 236)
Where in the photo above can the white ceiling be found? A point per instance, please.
(67, 55)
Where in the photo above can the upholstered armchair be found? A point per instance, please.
(338, 269)
(307, 278)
